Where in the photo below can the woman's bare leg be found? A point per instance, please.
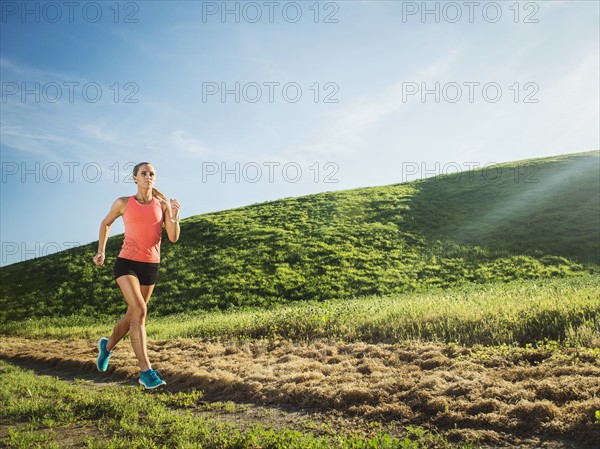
(119, 331)
(136, 317)
(147, 292)
(122, 326)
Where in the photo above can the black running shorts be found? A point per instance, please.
(146, 272)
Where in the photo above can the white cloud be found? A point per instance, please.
(100, 134)
(555, 3)
(343, 133)
(29, 142)
(574, 99)
(30, 73)
(180, 141)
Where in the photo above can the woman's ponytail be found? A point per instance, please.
(157, 193)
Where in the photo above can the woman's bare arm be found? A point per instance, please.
(171, 211)
(116, 210)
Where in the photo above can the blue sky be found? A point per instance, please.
(88, 92)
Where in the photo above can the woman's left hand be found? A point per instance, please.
(174, 206)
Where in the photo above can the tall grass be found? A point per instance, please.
(520, 312)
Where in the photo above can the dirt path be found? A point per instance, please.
(533, 398)
(240, 414)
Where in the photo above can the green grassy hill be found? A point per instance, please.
(530, 219)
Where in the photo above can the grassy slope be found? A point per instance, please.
(528, 219)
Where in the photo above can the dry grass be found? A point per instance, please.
(502, 395)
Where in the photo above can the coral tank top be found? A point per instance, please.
(143, 230)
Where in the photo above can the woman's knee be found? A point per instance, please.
(137, 313)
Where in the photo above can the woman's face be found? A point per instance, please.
(145, 176)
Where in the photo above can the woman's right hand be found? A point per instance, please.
(99, 259)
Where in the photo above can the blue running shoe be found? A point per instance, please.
(150, 379)
(103, 356)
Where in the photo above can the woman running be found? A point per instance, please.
(136, 267)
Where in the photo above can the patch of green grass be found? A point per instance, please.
(134, 418)
(29, 438)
